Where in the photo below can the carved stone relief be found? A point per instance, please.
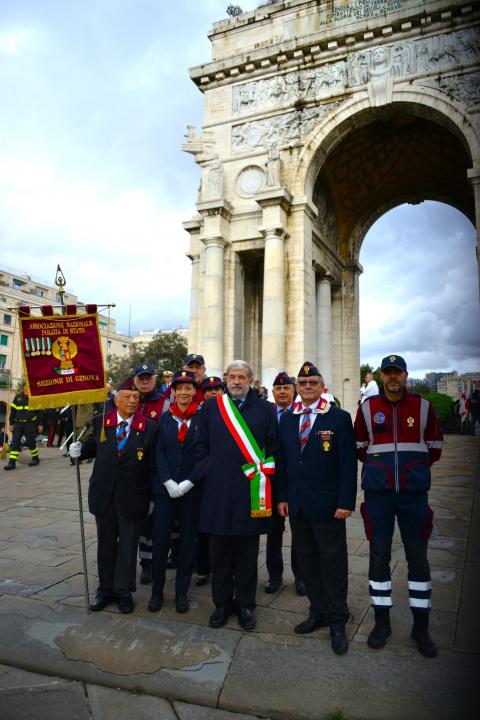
(250, 180)
(464, 89)
(282, 129)
(437, 53)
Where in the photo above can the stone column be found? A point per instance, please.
(474, 176)
(193, 339)
(324, 330)
(273, 316)
(212, 330)
(351, 337)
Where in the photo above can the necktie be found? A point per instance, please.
(238, 402)
(305, 427)
(121, 437)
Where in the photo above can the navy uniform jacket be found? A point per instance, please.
(323, 477)
(175, 461)
(130, 476)
(225, 508)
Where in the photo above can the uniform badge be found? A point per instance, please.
(184, 374)
(140, 425)
(139, 454)
(410, 422)
(306, 369)
(144, 367)
(107, 422)
(379, 418)
(392, 358)
(326, 445)
(153, 414)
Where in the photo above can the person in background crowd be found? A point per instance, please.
(317, 490)
(23, 421)
(167, 380)
(176, 491)
(398, 438)
(283, 393)
(369, 388)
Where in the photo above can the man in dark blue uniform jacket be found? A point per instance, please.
(317, 481)
(226, 504)
(119, 493)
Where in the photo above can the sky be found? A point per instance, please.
(96, 98)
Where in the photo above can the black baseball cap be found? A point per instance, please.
(145, 369)
(193, 358)
(394, 361)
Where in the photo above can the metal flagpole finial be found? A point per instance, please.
(60, 282)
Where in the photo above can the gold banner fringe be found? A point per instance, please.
(77, 397)
(260, 513)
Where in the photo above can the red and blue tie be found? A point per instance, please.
(121, 437)
(305, 427)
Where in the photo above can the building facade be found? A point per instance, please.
(319, 117)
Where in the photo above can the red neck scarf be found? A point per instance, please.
(183, 416)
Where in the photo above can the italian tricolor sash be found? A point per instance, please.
(258, 468)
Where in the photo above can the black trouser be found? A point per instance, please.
(29, 429)
(186, 511)
(234, 560)
(202, 561)
(117, 551)
(322, 554)
(274, 550)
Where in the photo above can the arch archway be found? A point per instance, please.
(352, 170)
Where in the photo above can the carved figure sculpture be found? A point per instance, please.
(214, 183)
(273, 166)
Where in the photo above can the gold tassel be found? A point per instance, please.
(103, 437)
(3, 453)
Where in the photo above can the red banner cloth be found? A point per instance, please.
(63, 359)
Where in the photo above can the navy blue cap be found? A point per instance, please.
(183, 376)
(145, 369)
(211, 382)
(308, 369)
(394, 361)
(193, 358)
(283, 378)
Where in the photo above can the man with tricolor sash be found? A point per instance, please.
(236, 457)
(317, 483)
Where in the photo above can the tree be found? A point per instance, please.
(166, 351)
(234, 10)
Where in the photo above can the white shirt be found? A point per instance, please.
(369, 391)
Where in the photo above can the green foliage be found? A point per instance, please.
(443, 404)
(166, 351)
(337, 715)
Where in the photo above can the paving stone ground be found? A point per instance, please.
(57, 659)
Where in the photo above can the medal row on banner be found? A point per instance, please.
(38, 346)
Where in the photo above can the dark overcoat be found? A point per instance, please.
(323, 477)
(225, 508)
(130, 476)
(174, 460)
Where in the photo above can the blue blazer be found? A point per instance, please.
(323, 477)
(174, 460)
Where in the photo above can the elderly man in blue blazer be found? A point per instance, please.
(317, 483)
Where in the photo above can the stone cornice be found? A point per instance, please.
(274, 196)
(331, 44)
(211, 208)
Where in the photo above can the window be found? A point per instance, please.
(3, 339)
(3, 360)
(18, 283)
(7, 319)
(38, 292)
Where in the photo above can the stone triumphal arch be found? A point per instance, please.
(320, 115)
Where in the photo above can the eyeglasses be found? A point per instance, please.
(303, 383)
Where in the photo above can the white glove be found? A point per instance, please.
(75, 449)
(151, 507)
(172, 488)
(185, 486)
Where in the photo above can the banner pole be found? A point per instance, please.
(60, 282)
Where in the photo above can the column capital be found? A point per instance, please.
(194, 257)
(217, 241)
(274, 196)
(354, 267)
(211, 208)
(269, 231)
(473, 175)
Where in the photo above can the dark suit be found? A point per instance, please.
(175, 461)
(225, 508)
(119, 493)
(315, 483)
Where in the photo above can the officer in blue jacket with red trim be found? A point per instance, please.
(398, 438)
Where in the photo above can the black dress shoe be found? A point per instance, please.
(156, 602)
(271, 586)
(339, 642)
(309, 625)
(246, 619)
(202, 580)
(100, 602)
(300, 588)
(219, 617)
(125, 604)
(146, 576)
(181, 604)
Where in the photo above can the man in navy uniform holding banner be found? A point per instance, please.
(317, 484)
(235, 452)
(119, 493)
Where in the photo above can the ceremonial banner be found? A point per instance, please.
(62, 359)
